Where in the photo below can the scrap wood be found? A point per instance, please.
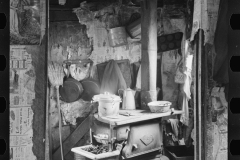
(72, 140)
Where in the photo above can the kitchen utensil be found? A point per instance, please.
(56, 74)
(131, 112)
(91, 88)
(78, 68)
(101, 138)
(128, 98)
(169, 42)
(76, 63)
(134, 29)
(159, 106)
(72, 89)
(117, 36)
(108, 104)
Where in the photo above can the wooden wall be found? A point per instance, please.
(28, 96)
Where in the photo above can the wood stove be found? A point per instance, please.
(133, 134)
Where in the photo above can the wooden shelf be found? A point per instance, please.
(134, 116)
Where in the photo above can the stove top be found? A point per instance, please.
(133, 116)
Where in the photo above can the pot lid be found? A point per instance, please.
(107, 97)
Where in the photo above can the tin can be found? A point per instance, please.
(134, 29)
(117, 37)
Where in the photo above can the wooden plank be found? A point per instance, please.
(198, 114)
(195, 100)
(48, 152)
(71, 141)
(55, 135)
(69, 156)
(65, 15)
(205, 100)
(200, 130)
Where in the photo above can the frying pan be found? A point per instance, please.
(71, 89)
(91, 87)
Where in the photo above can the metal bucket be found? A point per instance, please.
(117, 37)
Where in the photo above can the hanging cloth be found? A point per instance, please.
(186, 89)
(138, 81)
(220, 71)
(112, 79)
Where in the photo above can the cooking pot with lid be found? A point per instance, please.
(108, 104)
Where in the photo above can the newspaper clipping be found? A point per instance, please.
(22, 81)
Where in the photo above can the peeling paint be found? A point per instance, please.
(75, 110)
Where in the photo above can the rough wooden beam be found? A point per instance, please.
(149, 51)
(62, 15)
(71, 141)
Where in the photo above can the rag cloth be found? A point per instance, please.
(174, 130)
(112, 79)
(138, 81)
(186, 89)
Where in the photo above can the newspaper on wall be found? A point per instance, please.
(22, 82)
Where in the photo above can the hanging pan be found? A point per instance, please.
(91, 88)
(71, 90)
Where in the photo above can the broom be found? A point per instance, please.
(55, 75)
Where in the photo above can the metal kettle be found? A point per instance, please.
(128, 98)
